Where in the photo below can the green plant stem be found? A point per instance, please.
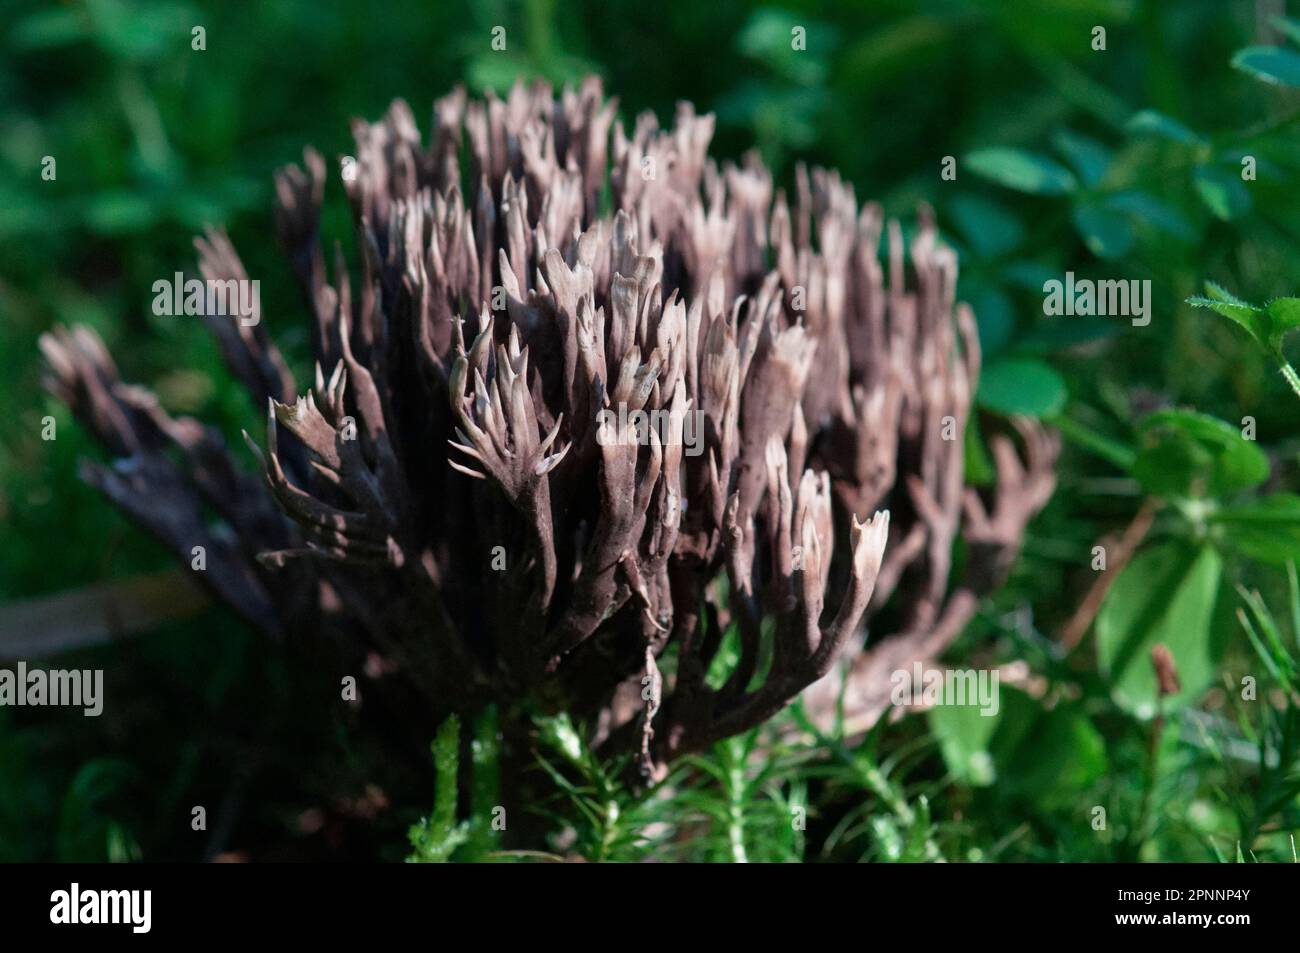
(874, 780)
(1291, 376)
(1149, 782)
(609, 829)
(735, 773)
(1109, 450)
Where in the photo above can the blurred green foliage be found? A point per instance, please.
(1123, 162)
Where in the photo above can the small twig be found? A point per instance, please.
(47, 625)
(1136, 531)
(1167, 684)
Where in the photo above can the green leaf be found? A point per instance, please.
(1288, 26)
(86, 819)
(140, 32)
(1185, 453)
(1149, 210)
(1022, 386)
(766, 38)
(988, 228)
(1266, 636)
(964, 733)
(1272, 64)
(1021, 170)
(1086, 155)
(1029, 275)
(1051, 756)
(1117, 454)
(1222, 191)
(49, 29)
(994, 315)
(1107, 234)
(1266, 529)
(1268, 325)
(1253, 319)
(119, 211)
(1045, 756)
(1283, 317)
(1150, 122)
(1167, 595)
(1219, 293)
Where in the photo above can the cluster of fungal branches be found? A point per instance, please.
(451, 494)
